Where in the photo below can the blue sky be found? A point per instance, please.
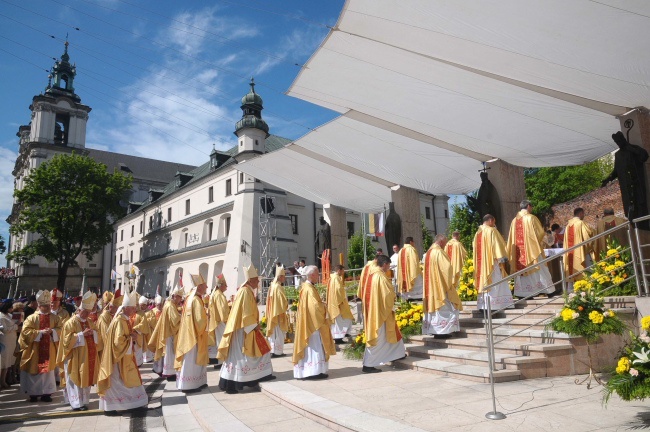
(164, 79)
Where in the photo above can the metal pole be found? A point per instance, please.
(494, 415)
(562, 275)
(363, 232)
(641, 263)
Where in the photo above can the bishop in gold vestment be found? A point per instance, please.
(490, 255)
(457, 256)
(338, 308)
(119, 384)
(383, 339)
(219, 312)
(525, 248)
(277, 320)
(78, 354)
(38, 342)
(575, 261)
(163, 338)
(152, 316)
(442, 305)
(244, 350)
(313, 344)
(192, 344)
(409, 276)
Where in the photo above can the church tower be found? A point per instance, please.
(251, 130)
(58, 116)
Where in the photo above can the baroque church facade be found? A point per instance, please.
(181, 219)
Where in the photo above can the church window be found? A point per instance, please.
(228, 187)
(185, 245)
(350, 229)
(427, 212)
(64, 82)
(446, 214)
(121, 235)
(61, 124)
(210, 226)
(210, 194)
(241, 178)
(187, 207)
(150, 222)
(141, 226)
(256, 142)
(169, 214)
(241, 143)
(169, 244)
(141, 252)
(227, 226)
(132, 230)
(131, 257)
(121, 259)
(294, 223)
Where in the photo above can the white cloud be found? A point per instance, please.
(294, 48)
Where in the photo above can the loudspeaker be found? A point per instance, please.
(267, 205)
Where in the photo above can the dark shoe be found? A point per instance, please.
(33, 399)
(232, 391)
(369, 369)
(46, 398)
(190, 391)
(171, 378)
(76, 409)
(84, 408)
(339, 341)
(110, 413)
(217, 366)
(401, 358)
(277, 355)
(214, 361)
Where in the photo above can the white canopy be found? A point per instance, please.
(532, 83)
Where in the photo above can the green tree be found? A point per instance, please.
(427, 238)
(546, 187)
(465, 221)
(69, 203)
(3, 246)
(355, 250)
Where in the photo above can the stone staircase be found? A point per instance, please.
(530, 351)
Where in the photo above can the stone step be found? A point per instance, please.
(177, 414)
(533, 323)
(474, 358)
(518, 335)
(455, 370)
(509, 347)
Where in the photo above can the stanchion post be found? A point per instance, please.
(562, 275)
(494, 415)
(641, 261)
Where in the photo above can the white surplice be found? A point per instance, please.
(383, 352)
(313, 363)
(241, 368)
(119, 397)
(168, 358)
(417, 291)
(191, 376)
(340, 327)
(218, 334)
(500, 295)
(443, 321)
(277, 340)
(539, 282)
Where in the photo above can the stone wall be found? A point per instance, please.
(593, 202)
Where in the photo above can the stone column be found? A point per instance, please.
(335, 216)
(509, 182)
(407, 206)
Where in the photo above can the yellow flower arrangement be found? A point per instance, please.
(581, 285)
(596, 317)
(466, 290)
(645, 322)
(567, 314)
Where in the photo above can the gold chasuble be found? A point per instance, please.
(152, 317)
(193, 331)
(102, 325)
(408, 268)
(38, 357)
(62, 314)
(311, 318)
(219, 311)
(244, 313)
(380, 310)
(604, 224)
(489, 247)
(167, 325)
(337, 299)
(457, 255)
(83, 361)
(143, 327)
(576, 232)
(438, 280)
(276, 309)
(525, 242)
(363, 291)
(116, 351)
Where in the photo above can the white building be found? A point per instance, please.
(211, 220)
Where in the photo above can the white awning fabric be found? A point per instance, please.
(532, 83)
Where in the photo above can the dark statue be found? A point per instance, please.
(487, 199)
(629, 168)
(393, 228)
(324, 236)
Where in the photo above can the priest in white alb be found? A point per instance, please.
(338, 308)
(490, 257)
(164, 336)
(441, 303)
(244, 350)
(525, 249)
(409, 276)
(119, 383)
(277, 320)
(219, 310)
(38, 342)
(313, 344)
(384, 341)
(78, 354)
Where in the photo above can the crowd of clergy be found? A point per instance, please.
(106, 340)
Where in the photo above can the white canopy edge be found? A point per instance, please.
(408, 67)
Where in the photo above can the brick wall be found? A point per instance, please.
(593, 202)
